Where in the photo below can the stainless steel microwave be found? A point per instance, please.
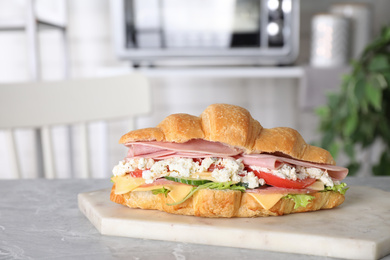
(223, 32)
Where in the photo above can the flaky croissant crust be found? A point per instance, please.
(234, 126)
(224, 203)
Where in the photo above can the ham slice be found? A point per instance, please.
(196, 148)
(273, 162)
(186, 155)
(161, 181)
(158, 154)
(139, 150)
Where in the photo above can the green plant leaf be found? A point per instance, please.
(379, 81)
(349, 149)
(334, 149)
(360, 90)
(364, 106)
(327, 139)
(353, 106)
(344, 111)
(385, 33)
(353, 168)
(333, 100)
(384, 129)
(383, 167)
(379, 63)
(350, 125)
(322, 111)
(374, 96)
(366, 134)
(386, 76)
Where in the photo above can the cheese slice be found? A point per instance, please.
(177, 192)
(318, 185)
(267, 201)
(126, 183)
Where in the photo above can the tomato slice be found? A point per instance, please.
(213, 167)
(136, 174)
(198, 160)
(276, 181)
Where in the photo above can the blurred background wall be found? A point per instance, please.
(274, 101)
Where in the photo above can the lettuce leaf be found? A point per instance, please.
(223, 186)
(211, 185)
(301, 200)
(342, 188)
(162, 190)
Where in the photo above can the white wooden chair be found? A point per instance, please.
(40, 105)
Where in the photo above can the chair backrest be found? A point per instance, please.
(43, 104)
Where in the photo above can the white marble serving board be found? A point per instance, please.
(358, 229)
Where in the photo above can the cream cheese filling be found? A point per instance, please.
(230, 170)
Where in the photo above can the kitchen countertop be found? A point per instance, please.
(40, 219)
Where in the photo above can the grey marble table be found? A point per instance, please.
(40, 219)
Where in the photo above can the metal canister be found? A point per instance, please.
(361, 24)
(330, 40)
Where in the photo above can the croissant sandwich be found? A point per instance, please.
(225, 164)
